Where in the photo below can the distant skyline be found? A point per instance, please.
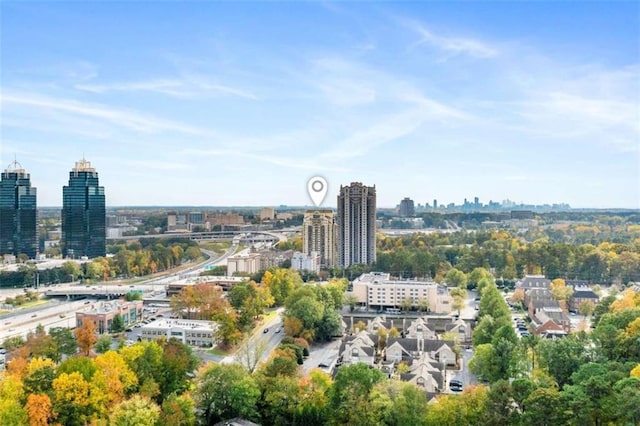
(240, 103)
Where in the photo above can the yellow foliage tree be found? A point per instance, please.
(633, 329)
(72, 400)
(38, 409)
(113, 378)
(627, 301)
(636, 372)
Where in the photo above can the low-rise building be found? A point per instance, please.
(103, 313)
(267, 213)
(190, 332)
(580, 295)
(224, 282)
(245, 263)
(380, 290)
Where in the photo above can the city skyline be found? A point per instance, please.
(221, 104)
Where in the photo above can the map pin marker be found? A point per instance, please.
(317, 187)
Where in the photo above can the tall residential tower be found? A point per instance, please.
(356, 225)
(83, 213)
(18, 213)
(319, 235)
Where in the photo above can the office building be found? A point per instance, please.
(380, 290)
(83, 213)
(189, 332)
(319, 236)
(407, 208)
(18, 213)
(356, 225)
(244, 263)
(103, 314)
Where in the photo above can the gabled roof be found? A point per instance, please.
(533, 281)
(584, 293)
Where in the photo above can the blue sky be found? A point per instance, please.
(220, 103)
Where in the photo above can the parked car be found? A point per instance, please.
(455, 385)
(265, 331)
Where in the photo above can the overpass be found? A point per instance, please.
(245, 236)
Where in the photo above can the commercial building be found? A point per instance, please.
(18, 213)
(306, 262)
(407, 207)
(319, 236)
(245, 263)
(379, 290)
(190, 332)
(267, 213)
(83, 213)
(356, 225)
(103, 313)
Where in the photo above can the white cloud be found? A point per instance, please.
(116, 117)
(186, 87)
(451, 44)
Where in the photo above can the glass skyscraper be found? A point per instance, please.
(18, 213)
(83, 213)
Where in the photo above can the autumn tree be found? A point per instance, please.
(38, 408)
(86, 337)
(178, 410)
(72, 402)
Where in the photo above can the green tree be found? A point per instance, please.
(103, 344)
(349, 397)
(396, 403)
(135, 411)
(455, 278)
(178, 411)
(225, 392)
(117, 325)
(65, 342)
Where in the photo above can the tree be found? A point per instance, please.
(586, 308)
(38, 409)
(485, 363)
(398, 403)
(225, 392)
(103, 344)
(135, 411)
(349, 396)
(351, 300)
(71, 269)
(117, 325)
(178, 361)
(543, 407)
(458, 294)
(40, 375)
(455, 278)
(561, 292)
(65, 342)
(178, 411)
(249, 356)
(85, 336)
(11, 394)
(72, 403)
(113, 380)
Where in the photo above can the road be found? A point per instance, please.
(53, 314)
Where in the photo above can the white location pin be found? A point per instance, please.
(317, 187)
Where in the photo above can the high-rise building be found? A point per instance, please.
(83, 213)
(407, 208)
(356, 223)
(319, 236)
(435, 204)
(18, 213)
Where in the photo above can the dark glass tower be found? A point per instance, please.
(18, 213)
(83, 213)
